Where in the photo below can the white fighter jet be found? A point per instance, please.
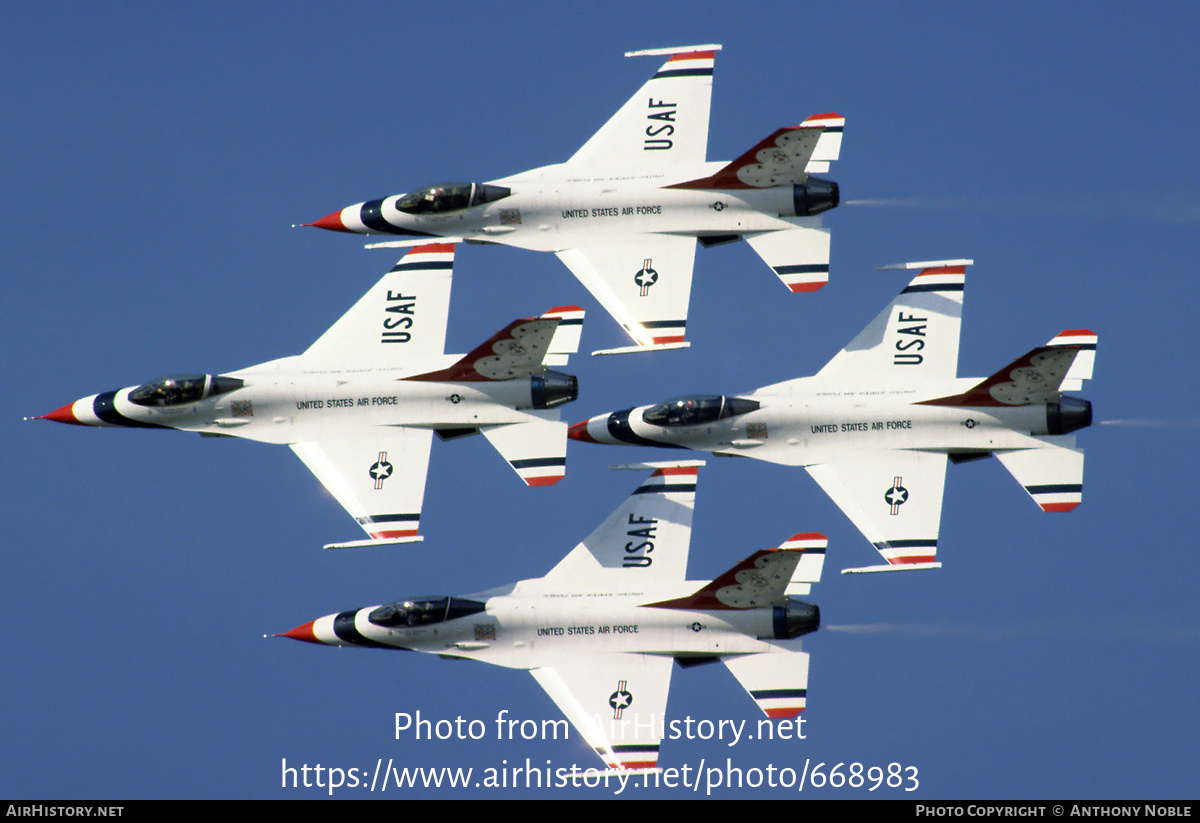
(361, 405)
(876, 425)
(625, 212)
(601, 631)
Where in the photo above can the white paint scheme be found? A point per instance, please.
(636, 197)
(601, 630)
(876, 425)
(361, 405)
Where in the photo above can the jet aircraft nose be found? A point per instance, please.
(579, 431)
(304, 633)
(64, 415)
(332, 222)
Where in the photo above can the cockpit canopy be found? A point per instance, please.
(177, 389)
(423, 611)
(445, 197)
(697, 409)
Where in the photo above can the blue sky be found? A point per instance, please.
(157, 158)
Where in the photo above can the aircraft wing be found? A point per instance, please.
(647, 537)
(915, 337)
(616, 701)
(378, 478)
(403, 315)
(536, 450)
(894, 498)
(664, 124)
(644, 281)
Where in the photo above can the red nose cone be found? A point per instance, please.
(63, 415)
(333, 222)
(304, 633)
(579, 432)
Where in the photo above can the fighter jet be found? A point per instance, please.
(625, 211)
(600, 632)
(876, 425)
(361, 405)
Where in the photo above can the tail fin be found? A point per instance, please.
(1081, 369)
(778, 679)
(811, 547)
(1037, 377)
(786, 157)
(763, 579)
(566, 337)
(518, 350)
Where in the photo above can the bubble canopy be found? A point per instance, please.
(697, 409)
(178, 389)
(424, 611)
(444, 197)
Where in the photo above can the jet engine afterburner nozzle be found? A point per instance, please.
(554, 388)
(1068, 414)
(814, 196)
(796, 618)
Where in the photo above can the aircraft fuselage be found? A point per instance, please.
(523, 631)
(278, 404)
(552, 208)
(805, 427)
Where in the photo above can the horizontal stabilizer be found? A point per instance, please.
(537, 450)
(1052, 475)
(800, 256)
(777, 681)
